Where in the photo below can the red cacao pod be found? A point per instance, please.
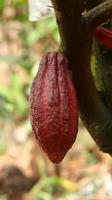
(53, 107)
(104, 36)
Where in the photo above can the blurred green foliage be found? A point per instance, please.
(1, 6)
(14, 96)
(50, 186)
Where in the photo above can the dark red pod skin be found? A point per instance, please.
(53, 107)
(104, 36)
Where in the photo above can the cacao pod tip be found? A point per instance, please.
(56, 158)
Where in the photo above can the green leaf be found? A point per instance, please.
(1, 6)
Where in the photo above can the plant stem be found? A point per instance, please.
(58, 170)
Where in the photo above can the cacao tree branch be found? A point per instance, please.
(99, 15)
(93, 3)
(65, 15)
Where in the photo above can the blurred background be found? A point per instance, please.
(25, 172)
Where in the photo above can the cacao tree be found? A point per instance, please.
(77, 21)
